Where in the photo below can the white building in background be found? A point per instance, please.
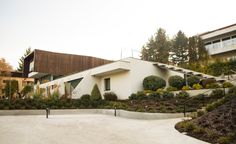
(221, 43)
(122, 77)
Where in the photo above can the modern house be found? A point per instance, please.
(221, 43)
(17, 76)
(122, 77)
(46, 66)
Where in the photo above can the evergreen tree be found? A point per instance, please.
(157, 48)
(21, 62)
(179, 50)
(202, 52)
(95, 94)
(192, 50)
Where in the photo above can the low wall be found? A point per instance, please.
(119, 113)
(201, 91)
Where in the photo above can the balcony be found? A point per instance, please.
(222, 46)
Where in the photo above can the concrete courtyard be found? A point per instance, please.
(89, 129)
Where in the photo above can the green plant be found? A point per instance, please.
(207, 81)
(133, 96)
(186, 88)
(11, 88)
(154, 96)
(182, 95)
(226, 139)
(95, 94)
(176, 81)
(170, 88)
(27, 89)
(85, 97)
(217, 93)
(141, 95)
(153, 83)
(227, 85)
(197, 86)
(232, 90)
(110, 96)
(193, 80)
(200, 113)
(212, 86)
(167, 95)
(189, 126)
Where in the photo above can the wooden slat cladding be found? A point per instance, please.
(63, 64)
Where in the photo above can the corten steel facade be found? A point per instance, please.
(40, 64)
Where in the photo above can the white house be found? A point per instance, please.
(122, 77)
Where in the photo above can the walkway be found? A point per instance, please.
(89, 129)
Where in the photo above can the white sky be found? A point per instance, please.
(102, 28)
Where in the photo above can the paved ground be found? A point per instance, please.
(89, 129)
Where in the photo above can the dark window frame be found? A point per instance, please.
(107, 84)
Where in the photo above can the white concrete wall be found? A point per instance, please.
(123, 83)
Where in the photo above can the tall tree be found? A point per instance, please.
(202, 52)
(5, 67)
(192, 50)
(21, 62)
(179, 50)
(157, 48)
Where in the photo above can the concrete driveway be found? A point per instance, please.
(89, 129)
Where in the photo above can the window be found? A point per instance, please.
(107, 84)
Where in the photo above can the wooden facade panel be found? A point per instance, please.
(61, 64)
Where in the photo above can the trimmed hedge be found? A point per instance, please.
(176, 81)
(193, 80)
(110, 96)
(95, 94)
(153, 83)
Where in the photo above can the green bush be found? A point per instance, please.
(153, 83)
(110, 96)
(170, 88)
(85, 97)
(140, 95)
(95, 94)
(186, 88)
(182, 95)
(200, 113)
(197, 86)
(227, 85)
(133, 96)
(176, 81)
(193, 80)
(154, 96)
(212, 86)
(232, 90)
(207, 81)
(217, 93)
(167, 95)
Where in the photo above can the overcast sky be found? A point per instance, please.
(102, 28)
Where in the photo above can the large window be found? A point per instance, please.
(107, 84)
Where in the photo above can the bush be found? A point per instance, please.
(232, 90)
(154, 96)
(176, 81)
(186, 88)
(170, 88)
(200, 113)
(138, 96)
(95, 94)
(217, 93)
(133, 96)
(153, 83)
(110, 96)
(167, 95)
(27, 89)
(227, 85)
(182, 95)
(207, 81)
(193, 80)
(85, 97)
(197, 86)
(212, 86)
(85, 100)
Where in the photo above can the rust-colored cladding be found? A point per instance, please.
(59, 63)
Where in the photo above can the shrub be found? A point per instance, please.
(133, 96)
(200, 113)
(167, 95)
(27, 89)
(182, 95)
(176, 81)
(153, 83)
(154, 96)
(207, 81)
(95, 94)
(189, 126)
(193, 80)
(85, 97)
(197, 86)
(186, 88)
(217, 93)
(212, 86)
(227, 85)
(170, 88)
(110, 96)
(232, 90)
(141, 95)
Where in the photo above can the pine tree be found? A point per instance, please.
(202, 52)
(192, 50)
(21, 62)
(179, 50)
(157, 48)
